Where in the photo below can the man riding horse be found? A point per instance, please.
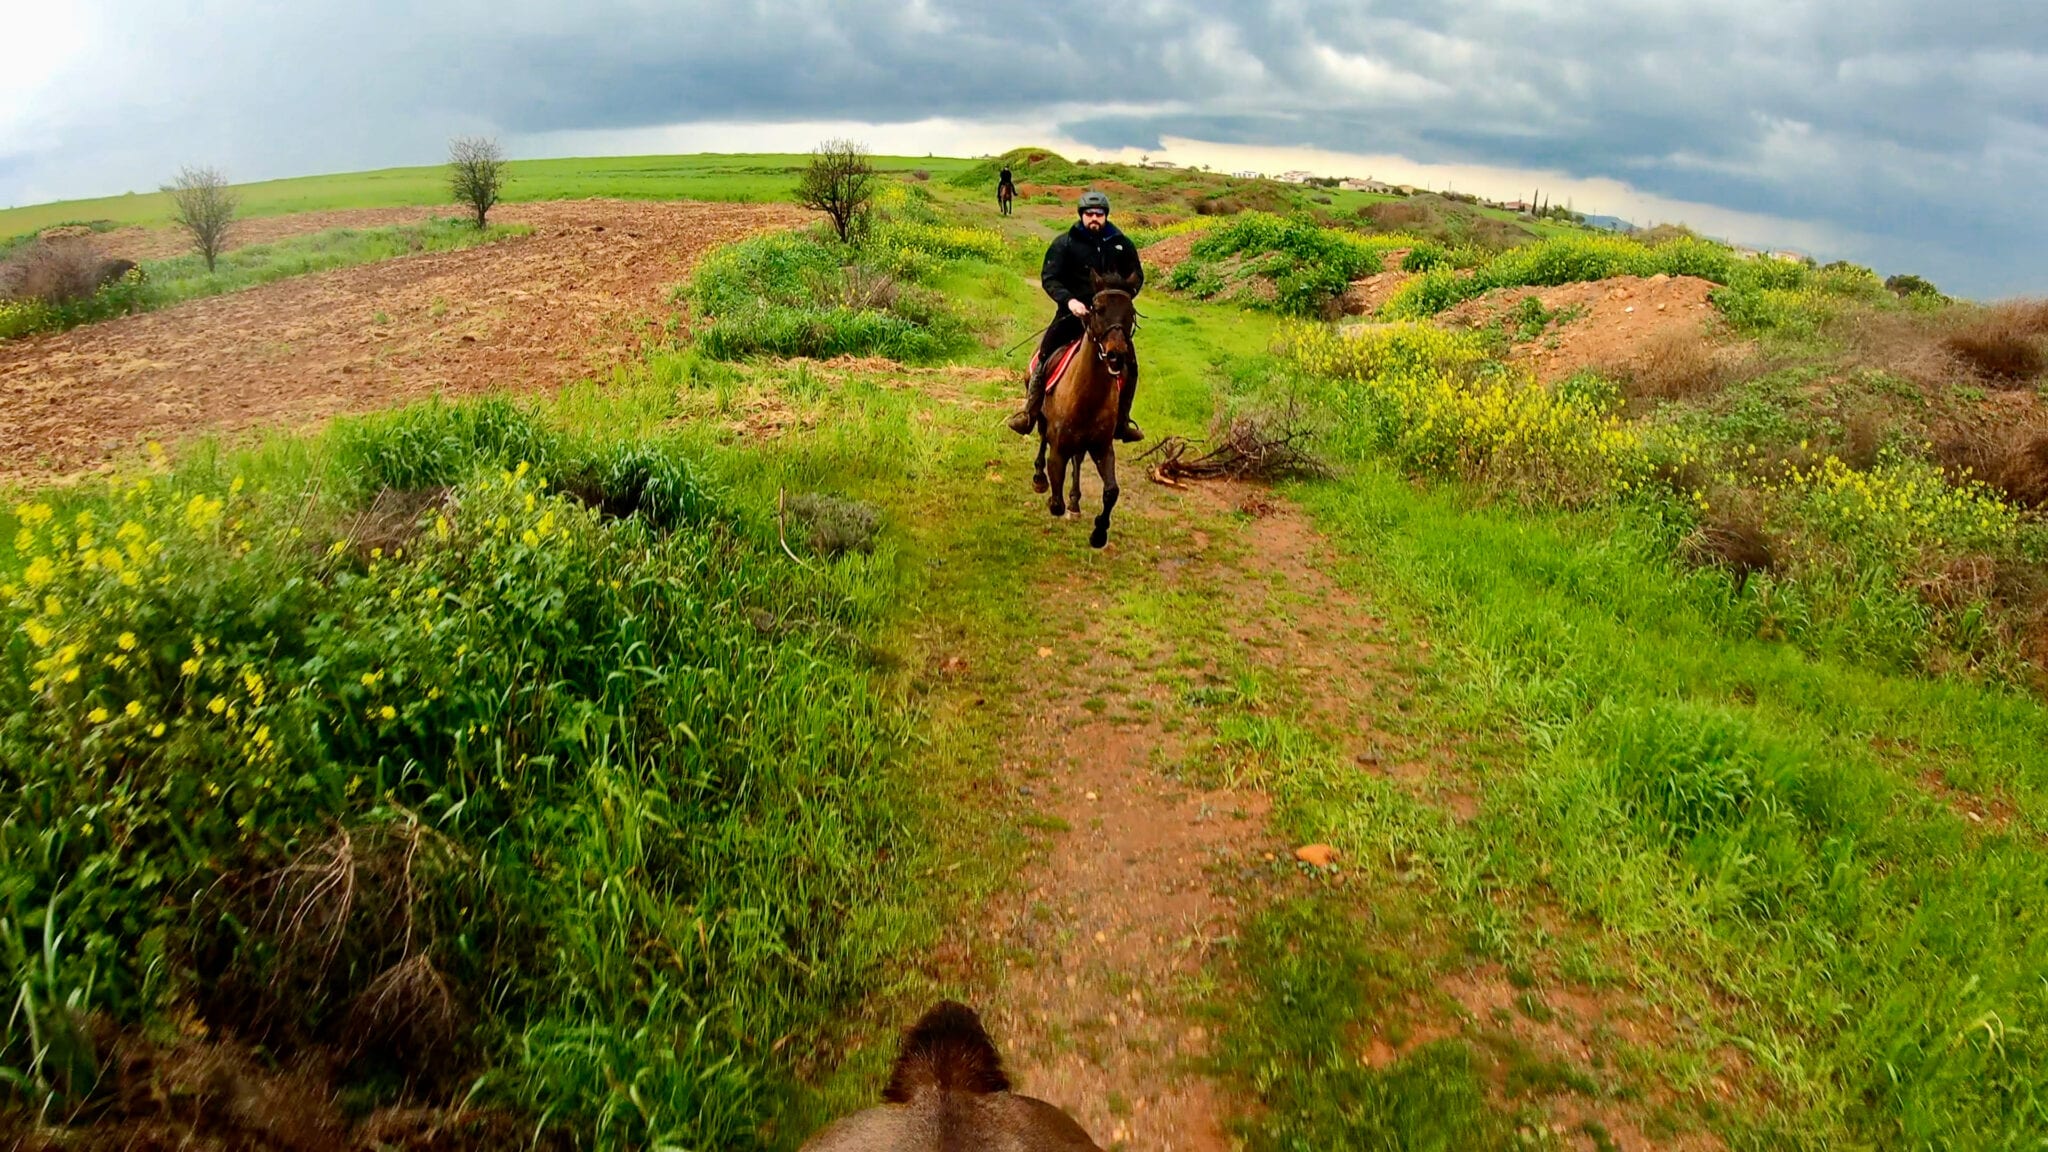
(1092, 245)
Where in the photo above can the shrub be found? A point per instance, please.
(205, 209)
(832, 526)
(1910, 287)
(840, 182)
(1425, 258)
(476, 173)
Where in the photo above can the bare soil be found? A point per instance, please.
(534, 312)
(1611, 321)
(1166, 255)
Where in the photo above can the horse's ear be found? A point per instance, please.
(1098, 281)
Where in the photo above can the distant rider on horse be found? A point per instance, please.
(1005, 183)
(1092, 245)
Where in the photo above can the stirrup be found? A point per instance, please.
(1130, 433)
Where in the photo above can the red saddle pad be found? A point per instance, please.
(1061, 359)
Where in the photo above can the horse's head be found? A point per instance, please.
(1112, 318)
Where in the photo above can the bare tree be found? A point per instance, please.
(476, 170)
(206, 209)
(840, 183)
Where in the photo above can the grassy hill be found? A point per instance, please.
(664, 734)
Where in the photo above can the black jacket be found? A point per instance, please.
(1073, 256)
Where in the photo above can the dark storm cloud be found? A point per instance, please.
(1919, 130)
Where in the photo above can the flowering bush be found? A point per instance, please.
(1425, 397)
(1860, 561)
(572, 718)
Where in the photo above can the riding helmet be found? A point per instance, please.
(1092, 199)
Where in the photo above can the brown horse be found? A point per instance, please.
(1081, 406)
(948, 1091)
(1006, 195)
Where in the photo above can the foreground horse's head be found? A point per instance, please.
(1111, 319)
(948, 1091)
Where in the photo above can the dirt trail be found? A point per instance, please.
(1104, 950)
(1109, 929)
(532, 312)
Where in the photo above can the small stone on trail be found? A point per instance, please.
(1316, 855)
(1101, 938)
(1091, 795)
(1044, 653)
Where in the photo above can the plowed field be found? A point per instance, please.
(527, 313)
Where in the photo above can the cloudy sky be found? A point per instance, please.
(1908, 134)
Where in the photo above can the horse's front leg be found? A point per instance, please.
(1105, 463)
(1056, 468)
(1074, 487)
(1038, 482)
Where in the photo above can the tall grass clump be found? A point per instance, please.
(801, 294)
(1307, 265)
(546, 775)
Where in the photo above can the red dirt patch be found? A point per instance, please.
(1618, 317)
(528, 313)
(1164, 256)
(1365, 296)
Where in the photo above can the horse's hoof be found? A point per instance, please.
(1098, 538)
(1057, 511)
(1040, 485)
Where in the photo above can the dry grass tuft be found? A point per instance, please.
(2002, 346)
(2012, 459)
(2006, 344)
(1734, 538)
(1678, 365)
(394, 517)
(1959, 582)
(58, 271)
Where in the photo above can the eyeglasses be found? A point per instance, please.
(1095, 213)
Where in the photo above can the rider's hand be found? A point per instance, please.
(1076, 307)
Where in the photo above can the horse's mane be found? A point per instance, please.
(946, 1051)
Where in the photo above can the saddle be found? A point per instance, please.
(1061, 357)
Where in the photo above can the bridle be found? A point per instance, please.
(1129, 331)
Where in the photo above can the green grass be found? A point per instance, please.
(1745, 828)
(174, 281)
(766, 177)
(1295, 1040)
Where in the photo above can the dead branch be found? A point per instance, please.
(1270, 446)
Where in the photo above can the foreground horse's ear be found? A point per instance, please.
(1097, 280)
